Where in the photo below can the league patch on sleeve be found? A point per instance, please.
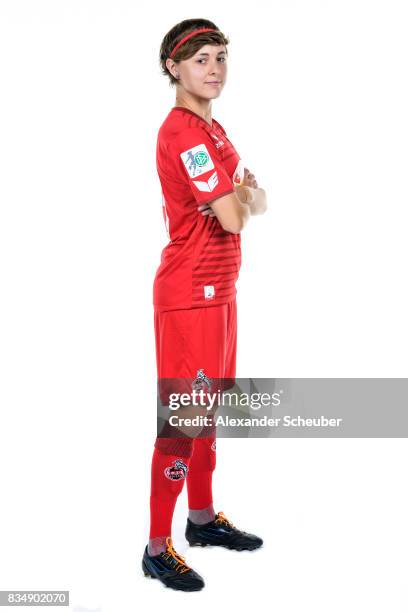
(197, 160)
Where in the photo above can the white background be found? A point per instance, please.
(315, 104)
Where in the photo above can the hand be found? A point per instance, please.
(206, 210)
(249, 179)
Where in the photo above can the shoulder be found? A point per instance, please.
(188, 141)
(191, 138)
(181, 128)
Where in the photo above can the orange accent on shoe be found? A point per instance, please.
(181, 566)
(222, 519)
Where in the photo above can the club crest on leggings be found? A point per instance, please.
(177, 471)
(200, 381)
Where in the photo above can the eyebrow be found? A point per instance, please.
(209, 54)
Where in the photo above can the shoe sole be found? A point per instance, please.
(148, 574)
(226, 546)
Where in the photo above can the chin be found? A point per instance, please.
(213, 95)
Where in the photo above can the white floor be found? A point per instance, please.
(332, 514)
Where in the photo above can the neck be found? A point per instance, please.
(198, 105)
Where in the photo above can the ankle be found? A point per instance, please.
(157, 545)
(200, 517)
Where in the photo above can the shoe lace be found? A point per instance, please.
(222, 520)
(181, 566)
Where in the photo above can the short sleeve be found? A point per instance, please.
(197, 161)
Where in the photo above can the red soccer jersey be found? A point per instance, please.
(196, 164)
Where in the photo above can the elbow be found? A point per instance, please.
(261, 205)
(264, 206)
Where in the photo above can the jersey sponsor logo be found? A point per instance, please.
(197, 160)
(177, 471)
(209, 185)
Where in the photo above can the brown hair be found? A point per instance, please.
(191, 46)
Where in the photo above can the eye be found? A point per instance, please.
(221, 59)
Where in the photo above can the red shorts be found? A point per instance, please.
(195, 339)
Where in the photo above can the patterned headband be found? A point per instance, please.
(183, 40)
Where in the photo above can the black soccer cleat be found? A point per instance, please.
(221, 532)
(170, 568)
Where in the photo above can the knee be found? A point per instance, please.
(175, 446)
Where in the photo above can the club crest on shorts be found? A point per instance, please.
(177, 471)
(201, 381)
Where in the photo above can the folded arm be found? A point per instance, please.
(234, 209)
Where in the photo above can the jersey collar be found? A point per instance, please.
(183, 108)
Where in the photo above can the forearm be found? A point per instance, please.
(245, 212)
(254, 198)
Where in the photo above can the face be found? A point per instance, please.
(204, 75)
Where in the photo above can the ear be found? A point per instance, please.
(171, 67)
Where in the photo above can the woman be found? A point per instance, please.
(208, 197)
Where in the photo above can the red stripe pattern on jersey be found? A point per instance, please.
(196, 164)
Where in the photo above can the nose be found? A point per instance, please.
(215, 68)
